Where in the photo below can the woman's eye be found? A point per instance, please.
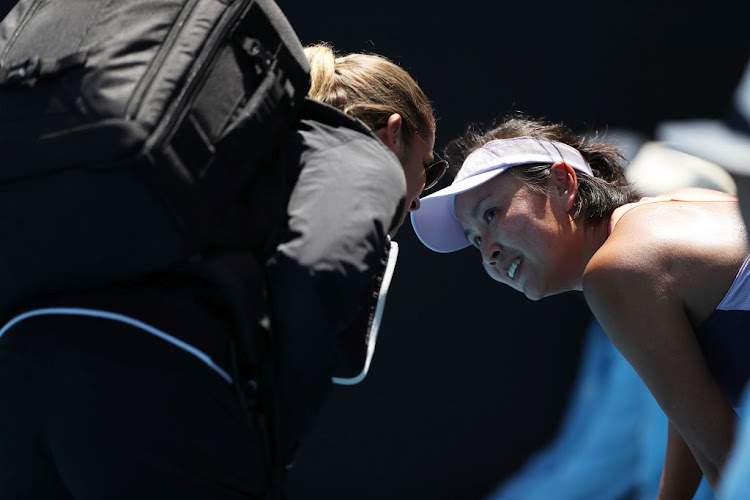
(477, 241)
(489, 214)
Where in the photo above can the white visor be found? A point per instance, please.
(435, 222)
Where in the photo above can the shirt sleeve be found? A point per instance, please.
(341, 209)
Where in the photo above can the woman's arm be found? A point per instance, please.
(681, 474)
(632, 293)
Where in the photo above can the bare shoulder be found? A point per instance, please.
(633, 250)
(631, 277)
(623, 267)
(673, 239)
(695, 221)
(693, 250)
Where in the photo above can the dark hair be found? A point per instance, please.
(597, 196)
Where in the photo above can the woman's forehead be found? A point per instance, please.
(496, 186)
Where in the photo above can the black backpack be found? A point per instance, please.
(128, 129)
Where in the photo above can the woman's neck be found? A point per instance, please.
(593, 237)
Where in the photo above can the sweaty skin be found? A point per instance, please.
(527, 238)
(660, 274)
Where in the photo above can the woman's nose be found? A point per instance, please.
(491, 253)
(415, 203)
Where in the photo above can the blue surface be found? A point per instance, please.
(611, 442)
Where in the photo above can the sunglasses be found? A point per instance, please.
(435, 171)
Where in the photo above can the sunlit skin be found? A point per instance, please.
(660, 274)
(526, 238)
(415, 155)
(656, 278)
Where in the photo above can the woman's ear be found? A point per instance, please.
(390, 134)
(564, 184)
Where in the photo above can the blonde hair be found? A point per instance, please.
(369, 87)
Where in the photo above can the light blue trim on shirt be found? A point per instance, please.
(738, 298)
(94, 313)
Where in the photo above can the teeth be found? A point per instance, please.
(513, 267)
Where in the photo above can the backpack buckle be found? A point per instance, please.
(20, 72)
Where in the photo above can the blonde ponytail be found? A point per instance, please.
(371, 88)
(322, 72)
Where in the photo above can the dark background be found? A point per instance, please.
(469, 377)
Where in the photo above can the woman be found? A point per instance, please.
(393, 107)
(551, 212)
(367, 128)
(145, 390)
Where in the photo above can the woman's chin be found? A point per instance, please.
(533, 296)
(530, 292)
